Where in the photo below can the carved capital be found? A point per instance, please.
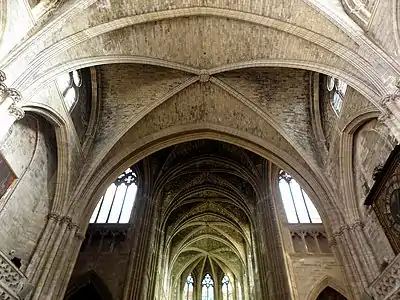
(3, 91)
(16, 111)
(14, 95)
(66, 220)
(2, 76)
(53, 216)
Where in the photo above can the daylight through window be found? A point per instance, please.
(69, 84)
(226, 289)
(188, 289)
(298, 206)
(116, 204)
(339, 88)
(207, 289)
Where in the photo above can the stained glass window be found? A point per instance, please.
(227, 293)
(207, 289)
(188, 289)
(339, 88)
(69, 84)
(116, 204)
(298, 206)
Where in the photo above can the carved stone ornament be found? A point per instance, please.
(16, 111)
(393, 97)
(12, 281)
(387, 284)
(204, 76)
(14, 95)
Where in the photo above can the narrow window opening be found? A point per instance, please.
(188, 289)
(116, 204)
(207, 290)
(298, 206)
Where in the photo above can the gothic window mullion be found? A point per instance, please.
(305, 204)
(112, 203)
(123, 202)
(294, 202)
(101, 205)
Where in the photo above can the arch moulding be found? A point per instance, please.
(89, 192)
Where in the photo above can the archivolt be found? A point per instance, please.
(89, 193)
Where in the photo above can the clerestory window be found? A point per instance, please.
(227, 293)
(298, 206)
(116, 204)
(339, 88)
(188, 289)
(69, 85)
(207, 289)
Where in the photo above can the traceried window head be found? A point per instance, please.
(227, 293)
(298, 206)
(116, 204)
(339, 88)
(188, 289)
(69, 85)
(207, 288)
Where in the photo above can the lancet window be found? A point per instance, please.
(188, 289)
(227, 293)
(116, 204)
(69, 85)
(207, 289)
(298, 206)
(339, 88)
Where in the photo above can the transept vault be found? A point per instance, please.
(199, 149)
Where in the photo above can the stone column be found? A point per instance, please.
(272, 270)
(353, 249)
(9, 111)
(56, 253)
(138, 278)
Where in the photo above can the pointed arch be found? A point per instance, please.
(327, 281)
(91, 281)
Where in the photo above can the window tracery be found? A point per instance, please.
(69, 85)
(339, 88)
(298, 206)
(188, 289)
(116, 204)
(207, 290)
(227, 293)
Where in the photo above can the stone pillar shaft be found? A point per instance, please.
(137, 280)
(272, 270)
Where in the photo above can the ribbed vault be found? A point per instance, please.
(208, 191)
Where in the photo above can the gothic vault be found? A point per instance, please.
(199, 149)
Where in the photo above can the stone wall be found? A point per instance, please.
(310, 270)
(31, 151)
(109, 263)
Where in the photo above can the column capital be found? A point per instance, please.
(16, 112)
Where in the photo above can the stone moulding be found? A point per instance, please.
(12, 281)
(387, 285)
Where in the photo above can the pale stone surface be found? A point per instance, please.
(170, 72)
